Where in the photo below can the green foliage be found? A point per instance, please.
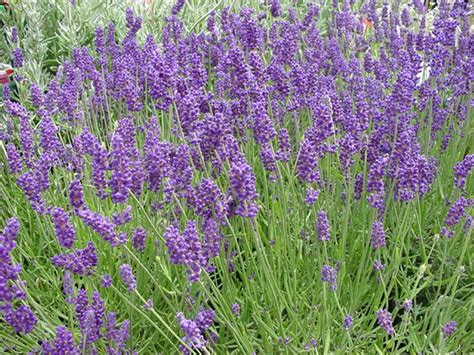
(277, 257)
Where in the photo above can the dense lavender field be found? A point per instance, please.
(259, 178)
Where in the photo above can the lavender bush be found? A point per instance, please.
(286, 178)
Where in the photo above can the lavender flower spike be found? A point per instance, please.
(64, 230)
(347, 322)
(322, 227)
(329, 275)
(17, 55)
(384, 319)
(449, 328)
(128, 277)
(378, 235)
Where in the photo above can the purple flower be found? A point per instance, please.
(7, 98)
(322, 226)
(457, 211)
(90, 315)
(82, 302)
(121, 165)
(468, 224)
(347, 324)
(181, 172)
(157, 160)
(375, 183)
(250, 34)
(415, 173)
(128, 277)
(94, 318)
(48, 139)
(175, 244)
(419, 6)
(462, 170)
(138, 240)
(93, 147)
(9, 234)
(11, 287)
(207, 200)
(26, 133)
(122, 217)
(311, 196)
(405, 17)
(329, 275)
(22, 319)
(148, 305)
(102, 225)
(447, 233)
(76, 195)
(110, 325)
(64, 230)
(186, 249)
(14, 35)
(235, 308)
(449, 328)
(42, 169)
(122, 335)
(242, 181)
(285, 341)
(17, 55)
(28, 182)
(275, 8)
(378, 235)
(99, 42)
(378, 266)
(193, 336)
(205, 318)
(384, 318)
(14, 159)
(36, 94)
(80, 262)
(64, 342)
(106, 281)
(212, 240)
(70, 91)
(308, 162)
(408, 305)
(263, 130)
(267, 157)
(177, 7)
(68, 286)
(284, 149)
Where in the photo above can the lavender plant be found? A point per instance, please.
(267, 179)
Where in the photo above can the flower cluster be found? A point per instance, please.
(462, 170)
(384, 318)
(195, 330)
(81, 261)
(348, 320)
(322, 227)
(128, 277)
(186, 249)
(226, 132)
(21, 318)
(449, 328)
(329, 275)
(64, 230)
(378, 235)
(95, 324)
